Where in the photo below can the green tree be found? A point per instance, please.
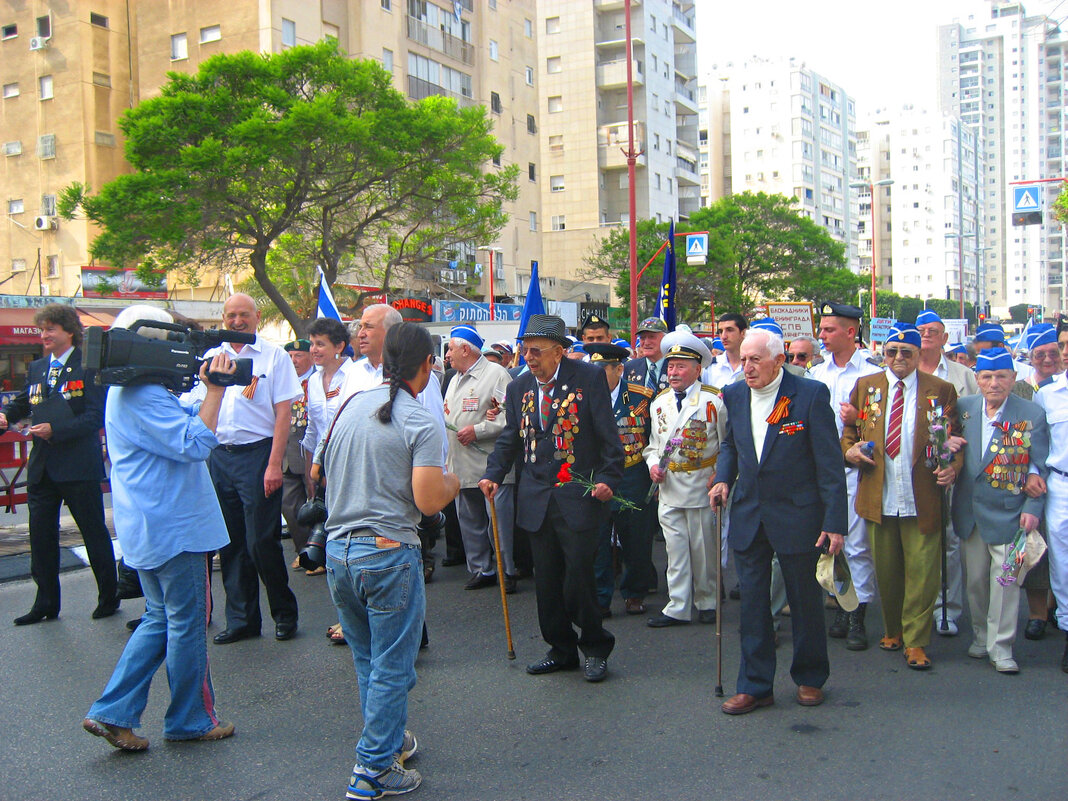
(1060, 205)
(309, 141)
(1018, 313)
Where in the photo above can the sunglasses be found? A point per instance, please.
(530, 350)
(904, 353)
(803, 357)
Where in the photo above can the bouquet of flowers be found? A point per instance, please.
(939, 455)
(665, 460)
(1025, 551)
(474, 445)
(565, 476)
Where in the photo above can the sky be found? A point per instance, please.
(883, 53)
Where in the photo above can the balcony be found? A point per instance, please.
(613, 74)
(612, 141)
(685, 100)
(615, 5)
(419, 89)
(682, 25)
(686, 172)
(419, 31)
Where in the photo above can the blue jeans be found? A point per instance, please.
(381, 602)
(173, 627)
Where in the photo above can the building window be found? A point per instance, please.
(493, 5)
(99, 20)
(52, 268)
(104, 138)
(48, 205)
(556, 143)
(559, 222)
(179, 47)
(495, 102)
(289, 32)
(528, 28)
(387, 60)
(533, 221)
(553, 65)
(331, 31)
(44, 27)
(494, 50)
(387, 5)
(100, 79)
(656, 183)
(556, 183)
(18, 265)
(11, 90)
(556, 104)
(9, 31)
(496, 159)
(46, 146)
(13, 148)
(211, 33)
(552, 25)
(16, 206)
(44, 84)
(532, 171)
(532, 126)
(530, 76)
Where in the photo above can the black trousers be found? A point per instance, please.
(566, 589)
(86, 504)
(255, 527)
(756, 674)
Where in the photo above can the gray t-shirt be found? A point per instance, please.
(369, 465)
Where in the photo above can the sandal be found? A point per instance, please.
(336, 635)
(316, 572)
(917, 659)
(890, 643)
(296, 563)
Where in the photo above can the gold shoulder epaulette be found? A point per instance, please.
(661, 392)
(641, 389)
(712, 389)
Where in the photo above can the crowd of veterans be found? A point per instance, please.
(921, 478)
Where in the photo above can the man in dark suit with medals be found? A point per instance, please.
(560, 424)
(648, 368)
(66, 464)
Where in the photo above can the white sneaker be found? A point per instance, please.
(977, 651)
(1008, 666)
(949, 631)
(394, 780)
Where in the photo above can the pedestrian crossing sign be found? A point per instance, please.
(696, 248)
(1025, 198)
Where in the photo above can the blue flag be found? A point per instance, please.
(665, 307)
(532, 305)
(327, 307)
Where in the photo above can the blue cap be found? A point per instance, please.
(622, 343)
(767, 324)
(928, 316)
(960, 347)
(990, 332)
(994, 359)
(717, 344)
(1041, 334)
(904, 332)
(468, 334)
(578, 347)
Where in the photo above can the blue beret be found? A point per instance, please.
(1039, 335)
(767, 324)
(994, 359)
(904, 332)
(468, 334)
(928, 316)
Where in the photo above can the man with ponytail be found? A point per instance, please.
(373, 561)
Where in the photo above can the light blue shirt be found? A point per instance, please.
(162, 496)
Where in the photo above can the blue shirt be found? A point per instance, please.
(162, 496)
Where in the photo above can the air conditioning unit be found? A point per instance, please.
(498, 273)
(461, 276)
(39, 42)
(44, 223)
(445, 275)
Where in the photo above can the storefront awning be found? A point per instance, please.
(17, 327)
(98, 317)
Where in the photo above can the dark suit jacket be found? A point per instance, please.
(596, 446)
(73, 453)
(636, 370)
(798, 488)
(872, 428)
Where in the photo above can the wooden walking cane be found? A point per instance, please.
(719, 601)
(500, 577)
(943, 625)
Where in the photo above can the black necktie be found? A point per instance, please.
(679, 396)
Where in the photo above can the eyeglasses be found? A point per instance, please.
(802, 357)
(1037, 356)
(530, 350)
(904, 353)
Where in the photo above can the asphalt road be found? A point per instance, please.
(487, 731)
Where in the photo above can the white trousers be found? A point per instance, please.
(994, 609)
(1057, 543)
(691, 552)
(857, 544)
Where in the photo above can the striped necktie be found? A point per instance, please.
(546, 402)
(897, 411)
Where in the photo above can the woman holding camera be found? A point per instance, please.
(374, 566)
(168, 522)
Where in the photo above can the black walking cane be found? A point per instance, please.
(943, 626)
(719, 603)
(500, 578)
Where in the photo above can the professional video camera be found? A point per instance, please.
(123, 357)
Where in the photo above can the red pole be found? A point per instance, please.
(492, 315)
(631, 179)
(874, 235)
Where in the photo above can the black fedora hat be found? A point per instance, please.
(547, 326)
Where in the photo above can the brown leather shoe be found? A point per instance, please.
(121, 738)
(809, 696)
(743, 703)
(635, 606)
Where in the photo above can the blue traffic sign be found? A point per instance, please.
(1025, 198)
(697, 245)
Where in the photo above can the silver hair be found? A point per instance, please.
(391, 316)
(772, 341)
(815, 343)
(142, 311)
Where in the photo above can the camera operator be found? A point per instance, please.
(168, 523)
(374, 567)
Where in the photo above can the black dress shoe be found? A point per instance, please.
(662, 621)
(595, 669)
(706, 615)
(227, 636)
(480, 581)
(1035, 629)
(736, 593)
(131, 625)
(35, 616)
(509, 584)
(1064, 659)
(106, 609)
(452, 561)
(550, 665)
(285, 631)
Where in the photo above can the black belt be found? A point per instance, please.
(248, 446)
(1058, 472)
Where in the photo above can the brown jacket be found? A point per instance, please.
(871, 425)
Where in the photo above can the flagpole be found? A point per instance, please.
(491, 312)
(631, 180)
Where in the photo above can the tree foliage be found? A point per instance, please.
(907, 309)
(1060, 205)
(307, 141)
(759, 249)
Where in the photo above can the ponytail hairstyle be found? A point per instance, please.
(406, 349)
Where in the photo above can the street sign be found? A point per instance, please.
(696, 248)
(795, 319)
(1025, 198)
(880, 328)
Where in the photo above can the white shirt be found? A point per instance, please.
(761, 403)
(1053, 398)
(720, 373)
(841, 380)
(62, 359)
(898, 497)
(243, 421)
(321, 409)
(988, 425)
